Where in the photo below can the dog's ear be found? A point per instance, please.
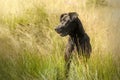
(73, 15)
(62, 16)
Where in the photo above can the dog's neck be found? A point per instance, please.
(78, 34)
(79, 31)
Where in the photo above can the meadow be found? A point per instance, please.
(30, 49)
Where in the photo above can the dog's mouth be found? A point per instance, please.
(61, 34)
(62, 31)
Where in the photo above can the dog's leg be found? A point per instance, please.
(68, 55)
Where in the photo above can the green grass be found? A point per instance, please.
(32, 50)
(33, 66)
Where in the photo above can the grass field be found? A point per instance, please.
(30, 49)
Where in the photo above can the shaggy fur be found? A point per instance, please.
(71, 25)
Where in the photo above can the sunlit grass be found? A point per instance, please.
(32, 50)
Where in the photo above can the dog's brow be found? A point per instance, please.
(66, 17)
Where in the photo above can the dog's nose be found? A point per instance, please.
(56, 29)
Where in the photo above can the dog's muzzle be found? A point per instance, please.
(61, 31)
(58, 30)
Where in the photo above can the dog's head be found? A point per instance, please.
(67, 24)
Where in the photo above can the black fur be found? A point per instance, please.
(71, 25)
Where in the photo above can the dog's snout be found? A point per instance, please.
(58, 29)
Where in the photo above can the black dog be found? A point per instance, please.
(71, 25)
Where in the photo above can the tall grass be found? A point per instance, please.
(32, 50)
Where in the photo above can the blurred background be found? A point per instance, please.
(30, 49)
